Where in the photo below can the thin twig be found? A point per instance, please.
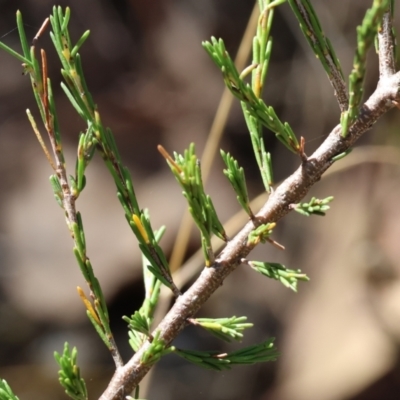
(68, 198)
(386, 46)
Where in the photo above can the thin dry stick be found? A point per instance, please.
(40, 31)
(291, 191)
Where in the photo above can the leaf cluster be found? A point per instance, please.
(263, 352)
(69, 374)
(314, 206)
(6, 392)
(187, 171)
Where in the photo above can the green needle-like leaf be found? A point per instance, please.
(79, 44)
(22, 36)
(224, 328)
(26, 61)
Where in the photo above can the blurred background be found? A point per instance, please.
(154, 84)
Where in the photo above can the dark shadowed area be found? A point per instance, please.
(154, 84)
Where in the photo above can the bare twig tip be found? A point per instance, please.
(276, 244)
(301, 151)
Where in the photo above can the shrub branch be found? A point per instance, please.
(291, 191)
(356, 120)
